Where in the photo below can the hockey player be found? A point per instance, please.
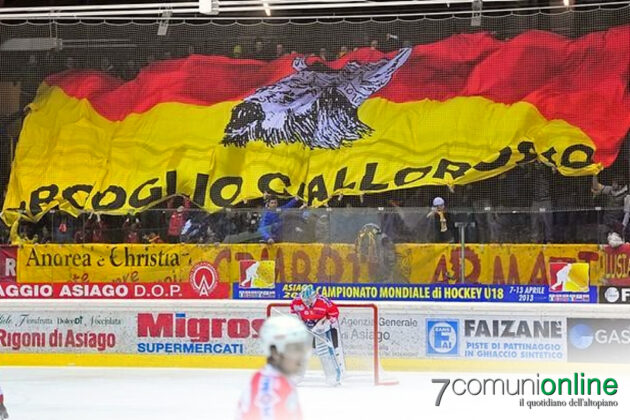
(320, 315)
(271, 394)
(3, 409)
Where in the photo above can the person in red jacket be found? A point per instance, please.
(320, 315)
(3, 410)
(271, 393)
(98, 229)
(175, 225)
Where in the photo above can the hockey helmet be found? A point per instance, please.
(308, 295)
(280, 331)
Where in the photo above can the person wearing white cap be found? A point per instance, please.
(442, 228)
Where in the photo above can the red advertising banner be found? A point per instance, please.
(112, 291)
(615, 265)
(8, 263)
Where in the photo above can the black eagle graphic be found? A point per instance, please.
(315, 106)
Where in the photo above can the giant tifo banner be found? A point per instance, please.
(522, 264)
(223, 130)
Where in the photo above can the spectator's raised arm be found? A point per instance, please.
(596, 188)
(292, 203)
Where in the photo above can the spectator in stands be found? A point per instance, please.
(392, 223)
(153, 238)
(70, 64)
(280, 51)
(541, 207)
(197, 229)
(463, 201)
(4, 233)
(271, 222)
(374, 44)
(80, 237)
(46, 237)
(63, 232)
(323, 54)
(259, 52)
(176, 225)
(342, 51)
(222, 224)
(442, 228)
(626, 218)
(84, 232)
(391, 42)
(25, 234)
(130, 70)
(106, 66)
(377, 252)
(97, 228)
(615, 199)
(130, 229)
(568, 192)
(32, 65)
(237, 51)
(132, 236)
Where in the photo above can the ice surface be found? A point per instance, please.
(196, 394)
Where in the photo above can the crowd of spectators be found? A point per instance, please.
(531, 203)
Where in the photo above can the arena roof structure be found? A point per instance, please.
(279, 9)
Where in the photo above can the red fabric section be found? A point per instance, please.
(583, 81)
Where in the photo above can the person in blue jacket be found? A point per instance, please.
(271, 223)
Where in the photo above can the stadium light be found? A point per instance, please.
(477, 6)
(163, 25)
(209, 7)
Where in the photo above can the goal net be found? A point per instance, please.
(359, 336)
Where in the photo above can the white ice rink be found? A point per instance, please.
(206, 394)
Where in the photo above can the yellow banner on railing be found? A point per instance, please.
(334, 263)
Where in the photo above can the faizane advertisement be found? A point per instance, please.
(497, 338)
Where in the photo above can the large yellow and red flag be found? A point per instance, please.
(222, 130)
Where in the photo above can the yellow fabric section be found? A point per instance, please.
(300, 263)
(66, 143)
(255, 362)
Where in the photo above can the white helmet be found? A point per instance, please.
(278, 331)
